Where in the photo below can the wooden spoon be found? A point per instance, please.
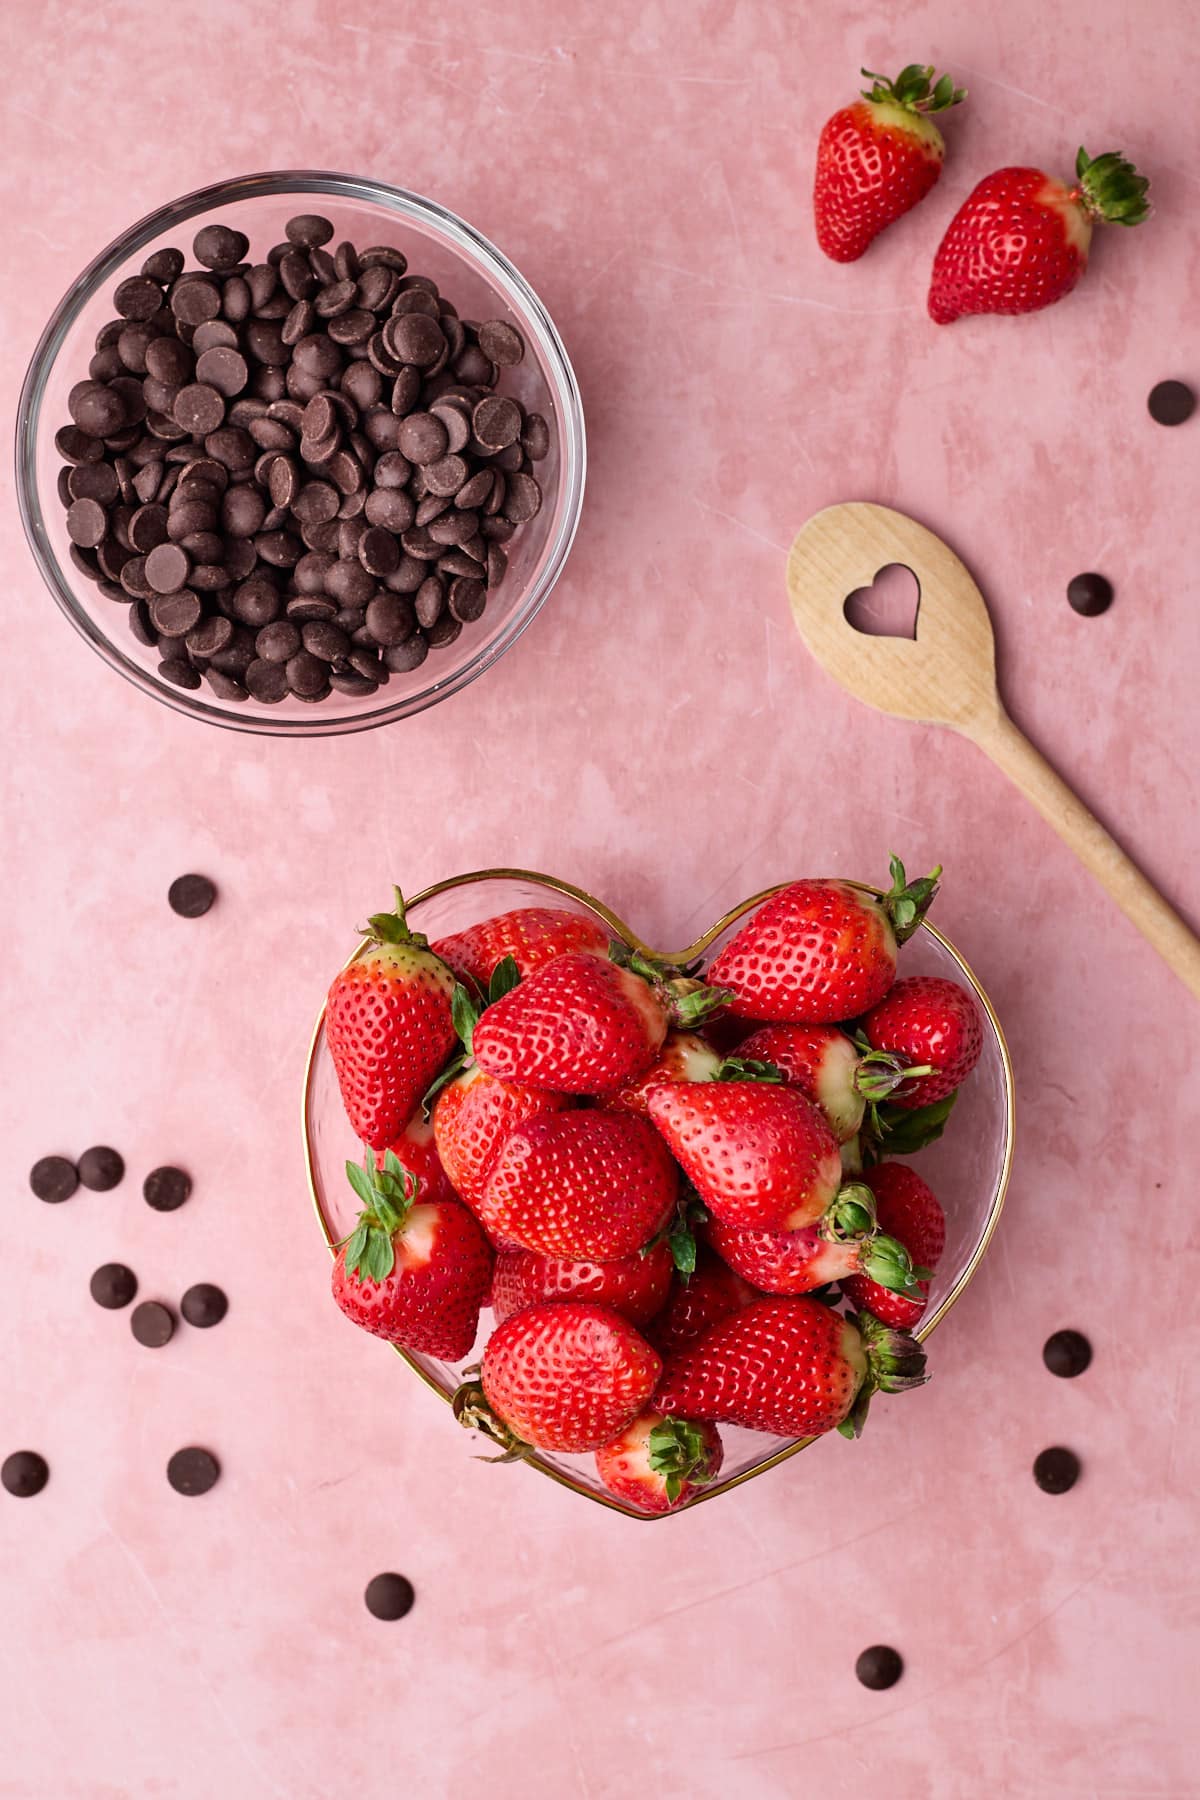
(946, 675)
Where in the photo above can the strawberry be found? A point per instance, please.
(581, 1185)
(829, 1069)
(584, 1024)
(932, 1022)
(473, 1116)
(659, 1464)
(685, 1057)
(757, 1153)
(635, 1286)
(906, 1207)
(796, 1262)
(531, 935)
(878, 157)
(698, 1301)
(1020, 239)
(564, 1375)
(412, 1271)
(792, 1367)
(416, 1152)
(820, 951)
(388, 1026)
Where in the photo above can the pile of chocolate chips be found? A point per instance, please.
(296, 474)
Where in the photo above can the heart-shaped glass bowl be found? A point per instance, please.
(968, 1168)
(481, 282)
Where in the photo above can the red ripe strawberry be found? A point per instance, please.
(635, 1286)
(580, 1185)
(792, 1367)
(877, 157)
(411, 1272)
(659, 1464)
(685, 1057)
(1020, 239)
(567, 1376)
(388, 1027)
(473, 1116)
(820, 951)
(758, 1154)
(796, 1262)
(531, 935)
(416, 1152)
(932, 1022)
(906, 1207)
(584, 1024)
(698, 1302)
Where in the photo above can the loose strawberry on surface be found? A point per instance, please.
(878, 157)
(635, 1286)
(388, 1026)
(819, 952)
(531, 935)
(412, 1272)
(792, 1367)
(1020, 240)
(659, 1464)
(906, 1207)
(566, 1375)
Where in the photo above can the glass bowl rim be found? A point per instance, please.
(616, 924)
(461, 237)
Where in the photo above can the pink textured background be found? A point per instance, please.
(660, 737)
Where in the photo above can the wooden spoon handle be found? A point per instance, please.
(1141, 903)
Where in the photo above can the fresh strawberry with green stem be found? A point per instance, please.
(932, 1024)
(698, 1301)
(473, 1117)
(586, 1024)
(1020, 240)
(830, 1069)
(685, 1057)
(563, 1375)
(820, 951)
(791, 1367)
(388, 1026)
(878, 157)
(412, 1272)
(797, 1262)
(906, 1207)
(531, 935)
(580, 1184)
(659, 1464)
(635, 1286)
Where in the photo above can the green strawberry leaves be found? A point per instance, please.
(678, 1450)
(749, 1068)
(687, 999)
(906, 902)
(902, 1131)
(1112, 188)
(392, 928)
(915, 88)
(679, 1233)
(895, 1363)
(467, 1007)
(388, 1193)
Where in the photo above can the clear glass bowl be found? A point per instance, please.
(480, 281)
(968, 1168)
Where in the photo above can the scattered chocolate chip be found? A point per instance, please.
(1090, 594)
(101, 1168)
(166, 1189)
(53, 1179)
(204, 1305)
(191, 896)
(389, 1596)
(879, 1667)
(1171, 402)
(24, 1474)
(193, 1471)
(113, 1285)
(1067, 1353)
(1056, 1470)
(152, 1324)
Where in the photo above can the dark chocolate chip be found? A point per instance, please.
(389, 1596)
(219, 247)
(24, 1474)
(1067, 1353)
(204, 1305)
(53, 1179)
(101, 1168)
(191, 895)
(308, 230)
(165, 1189)
(879, 1667)
(113, 1286)
(193, 1471)
(152, 1324)
(1171, 402)
(501, 342)
(1090, 594)
(401, 659)
(1055, 1470)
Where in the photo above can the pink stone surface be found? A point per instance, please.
(660, 737)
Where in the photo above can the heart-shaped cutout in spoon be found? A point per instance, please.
(890, 607)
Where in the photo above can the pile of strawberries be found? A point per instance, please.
(653, 1180)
